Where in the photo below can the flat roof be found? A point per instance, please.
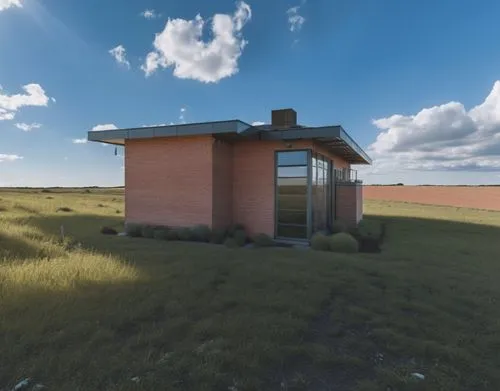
(333, 138)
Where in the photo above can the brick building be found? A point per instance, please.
(282, 179)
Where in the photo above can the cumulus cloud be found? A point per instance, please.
(295, 20)
(258, 123)
(9, 104)
(180, 45)
(28, 127)
(9, 158)
(80, 141)
(4, 4)
(120, 55)
(104, 127)
(149, 14)
(447, 137)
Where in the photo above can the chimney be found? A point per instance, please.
(284, 118)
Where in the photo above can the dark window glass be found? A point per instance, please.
(292, 158)
(290, 231)
(292, 202)
(292, 186)
(292, 217)
(284, 172)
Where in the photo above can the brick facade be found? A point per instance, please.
(349, 202)
(193, 180)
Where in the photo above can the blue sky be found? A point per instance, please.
(413, 82)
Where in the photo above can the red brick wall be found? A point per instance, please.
(222, 184)
(169, 181)
(349, 200)
(253, 183)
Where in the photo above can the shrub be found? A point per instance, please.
(46, 191)
(101, 206)
(240, 237)
(108, 231)
(148, 231)
(172, 234)
(338, 226)
(133, 230)
(320, 242)
(263, 240)
(49, 198)
(161, 233)
(343, 243)
(184, 234)
(218, 236)
(64, 209)
(369, 229)
(201, 233)
(231, 243)
(233, 228)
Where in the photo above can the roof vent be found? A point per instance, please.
(284, 118)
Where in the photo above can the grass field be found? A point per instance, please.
(94, 311)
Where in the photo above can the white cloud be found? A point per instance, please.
(120, 55)
(295, 20)
(9, 158)
(182, 115)
(104, 127)
(28, 127)
(34, 96)
(180, 45)
(440, 138)
(149, 14)
(258, 123)
(4, 4)
(53, 100)
(80, 141)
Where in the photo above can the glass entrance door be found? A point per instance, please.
(292, 169)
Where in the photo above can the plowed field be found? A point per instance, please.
(466, 197)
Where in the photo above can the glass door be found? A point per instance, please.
(292, 194)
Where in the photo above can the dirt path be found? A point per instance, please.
(466, 197)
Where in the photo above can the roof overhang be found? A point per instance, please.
(118, 136)
(333, 138)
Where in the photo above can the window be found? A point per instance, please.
(291, 194)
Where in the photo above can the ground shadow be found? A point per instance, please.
(313, 321)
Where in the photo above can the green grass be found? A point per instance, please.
(93, 311)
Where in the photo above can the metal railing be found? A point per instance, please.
(346, 175)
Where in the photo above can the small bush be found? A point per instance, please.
(240, 237)
(201, 233)
(184, 234)
(172, 234)
(338, 226)
(231, 243)
(101, 206)
(320, 242)
(46, 191)
(64, 209)
(118, 211)
(263, 240)
(109, 231)
(369, 229)
(148, 231)
(343, 243)
(133, 230)
(161, 233)
(86, 191)
(218, 236)
(49, 198)
(233, 228)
